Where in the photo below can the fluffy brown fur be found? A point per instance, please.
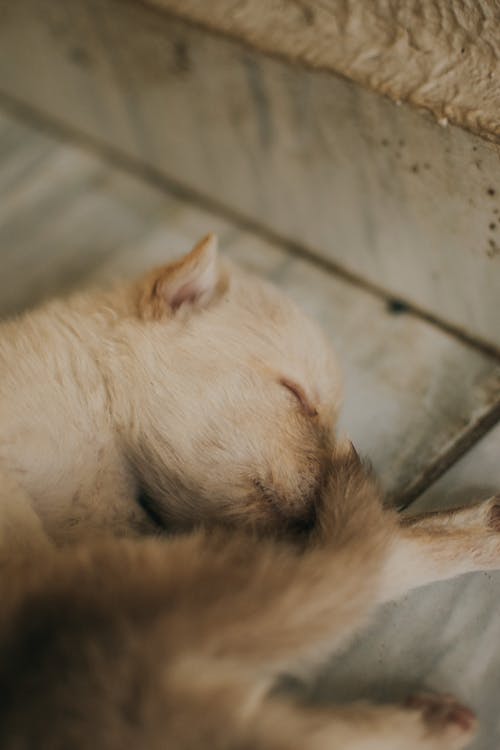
(156, 644)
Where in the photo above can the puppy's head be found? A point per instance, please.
(232, 395)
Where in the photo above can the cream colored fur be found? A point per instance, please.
(195, 387)
(177, 643)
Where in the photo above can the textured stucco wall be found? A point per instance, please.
(441, 55)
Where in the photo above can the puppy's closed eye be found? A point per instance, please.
(300, 395)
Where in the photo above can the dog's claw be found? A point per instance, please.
(442, 712)
(494, 514)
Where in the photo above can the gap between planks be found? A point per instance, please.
(57, 129)
(462, 445)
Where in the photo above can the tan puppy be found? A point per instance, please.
(199, 390)
(175, 644)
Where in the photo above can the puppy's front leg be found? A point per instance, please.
(426, 722)
(442, 545)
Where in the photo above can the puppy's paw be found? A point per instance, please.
(493, 511)
(448, 723)
(484, 515)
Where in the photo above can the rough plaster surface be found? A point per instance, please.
(439, 55)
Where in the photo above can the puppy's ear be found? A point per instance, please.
(193, 281)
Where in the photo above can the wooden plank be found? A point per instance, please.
(78, 213)
(438, 56)
(475, 477)
(444, 636)
(412, 391)
(404, 204)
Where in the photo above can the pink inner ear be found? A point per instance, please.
(189, 292)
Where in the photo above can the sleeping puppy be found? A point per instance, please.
(195, 394)
(204, 392)
(176, 643)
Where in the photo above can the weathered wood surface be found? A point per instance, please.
(445, 636)
(385, 192)
(413, 392)
(475, 476)
(441, 56)
(61, 213)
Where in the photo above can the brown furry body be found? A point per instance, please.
(176, 644)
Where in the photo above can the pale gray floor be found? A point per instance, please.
(412, 391)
